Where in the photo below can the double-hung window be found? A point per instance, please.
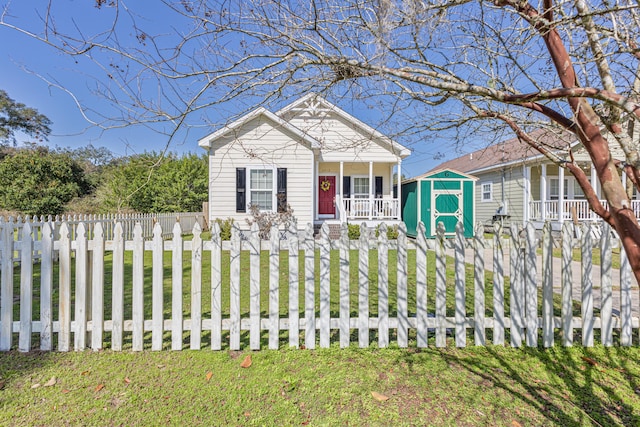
(261, 188)
(487, 192)
(360, 187)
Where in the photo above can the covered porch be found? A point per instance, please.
(357, 191)
(556, 196)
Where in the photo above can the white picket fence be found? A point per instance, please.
(82, 322)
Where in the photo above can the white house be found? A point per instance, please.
(321, 161)
(517, 183)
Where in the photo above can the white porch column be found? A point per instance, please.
(315, 190)
(594, 180)
(561, 191)
(399, 192)
(526, 207)
(371, 184)
(341, 193)
(543, 192)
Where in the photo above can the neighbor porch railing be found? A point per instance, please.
(370, 208)
(572, 209)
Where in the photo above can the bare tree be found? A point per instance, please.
(440, 66)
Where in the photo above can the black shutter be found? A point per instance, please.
(241, 190)
(378, 187)
(346, 187)
(282, 190)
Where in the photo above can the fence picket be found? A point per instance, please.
(345, 332)
(294, 286)
(26, 288)
(363, 287)
(587, 286)
(81, 301)
(274, 289)
(605, 286)
(309, 289)
(325, 282)
(626, 330)
(383, 287)
(46, 288)
(441, 290)
(547, 286)
(402, 287)
(421, 286)
(6, 291)
(254, 287)
(176, 288)
(460, 294)
(196, 288)
(234, 307)
(516, 281)
(531, 288)
(498, 286)
(117, 289)
(157, 289)
(64, 301)
(566, 282)
(137, 300)
(216, 287)
(479, 337)
(97, 284)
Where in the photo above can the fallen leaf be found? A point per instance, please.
(590, 361)
(127, 380)
(379, 397)
(246, 362)
(303, 347)
(514, 423)
(99, 387)
(247, 414)
(85, 373)
(36, 385)
(65, 391)
(51, 382)
(209, 375)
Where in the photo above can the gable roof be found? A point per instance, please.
(510, 151)
(261, 111)
(374, 134)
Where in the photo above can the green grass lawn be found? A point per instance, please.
(476, 386)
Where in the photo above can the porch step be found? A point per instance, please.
(334, 231)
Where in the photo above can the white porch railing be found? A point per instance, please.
(571, 209)
(358, 208)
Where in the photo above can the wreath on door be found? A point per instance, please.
(325, 185)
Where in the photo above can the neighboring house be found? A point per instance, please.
(517, 183)
(311, 155)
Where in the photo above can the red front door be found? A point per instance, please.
(326, 195)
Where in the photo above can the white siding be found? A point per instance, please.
(259, 143)
(342, 140)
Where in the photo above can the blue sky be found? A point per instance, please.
(24, 58)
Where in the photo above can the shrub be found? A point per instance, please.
(354, 231)
(225, 227)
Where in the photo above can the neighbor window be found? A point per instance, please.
(360, 187)
(487, 192)
(261, 188)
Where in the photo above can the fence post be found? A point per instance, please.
(625, 299)
(566, 280)
(80, 336)
(216, 287)
(64, 337)
(46, 288)
(254, 288)
(421, 286)
(97, 283)
(461, 312)
(234, 306)
(309, 289)
(137, 339)
(325, 283)
(531, 288)
(516, 281)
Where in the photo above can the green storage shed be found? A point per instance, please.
(445, 195)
